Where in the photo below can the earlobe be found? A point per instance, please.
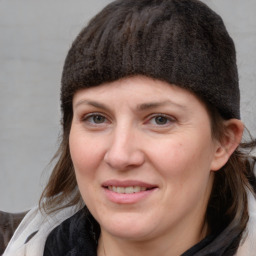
(233, 132)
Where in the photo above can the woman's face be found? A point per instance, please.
(143, 153)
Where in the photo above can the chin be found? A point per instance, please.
(129, 228)
(130, 234)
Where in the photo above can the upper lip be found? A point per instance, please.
(127, 183)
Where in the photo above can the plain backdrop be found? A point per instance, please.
(34, 39)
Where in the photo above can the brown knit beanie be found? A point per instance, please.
(182, 42)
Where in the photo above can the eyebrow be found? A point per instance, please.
(150, 105)
(141, 107)
(92, 103)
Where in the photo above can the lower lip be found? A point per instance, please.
(121, 198)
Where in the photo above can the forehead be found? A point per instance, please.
(137, 88)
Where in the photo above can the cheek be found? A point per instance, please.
(185, 169)
(85, 160)
(85, 157)
(183, 158)
(84, 153)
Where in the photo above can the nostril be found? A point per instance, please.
(123, 159)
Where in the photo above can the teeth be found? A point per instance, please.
(120, 190)
(126, 190)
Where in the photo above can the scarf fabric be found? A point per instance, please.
(71, 232)
(79, 235)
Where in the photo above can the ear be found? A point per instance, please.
(228, 143)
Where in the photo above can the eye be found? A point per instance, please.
(98, 119)
(95, 119)
(161, 120)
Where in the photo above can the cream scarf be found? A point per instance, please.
(35, 221)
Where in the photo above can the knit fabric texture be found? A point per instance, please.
(182, 42)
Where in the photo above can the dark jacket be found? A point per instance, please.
(79, 235)
(8, 224)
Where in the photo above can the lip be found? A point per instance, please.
(127, 183)
(122, 198)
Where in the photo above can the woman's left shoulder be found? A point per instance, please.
(248, 242)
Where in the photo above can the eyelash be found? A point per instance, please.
(87, 118)
(168, 120)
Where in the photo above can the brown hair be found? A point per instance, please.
(228, 204)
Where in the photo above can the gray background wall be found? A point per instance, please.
(34, 39)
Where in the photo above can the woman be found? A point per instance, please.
(151, 160)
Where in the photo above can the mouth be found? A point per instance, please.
(127, 192)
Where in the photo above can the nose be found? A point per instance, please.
(124, 151)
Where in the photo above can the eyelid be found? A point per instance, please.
(170, 118)
(85, 117)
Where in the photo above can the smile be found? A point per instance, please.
(127, 190)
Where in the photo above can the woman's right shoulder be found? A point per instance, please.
(30, 236)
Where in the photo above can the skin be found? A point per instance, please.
(149, 131)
